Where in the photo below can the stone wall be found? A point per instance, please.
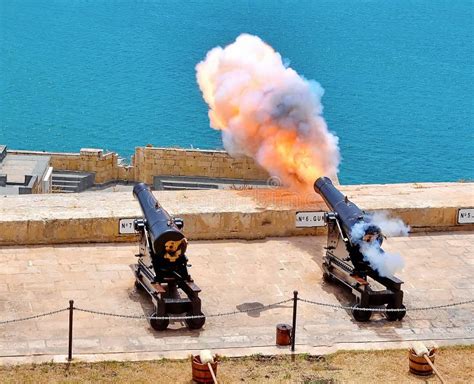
(149, 161)
(105, 166)
(222, 214)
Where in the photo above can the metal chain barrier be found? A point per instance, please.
(230, 313)
(263, 307)
(295, 300)
(345, 307)
(259, 308)
(34, 316)
(111, 314)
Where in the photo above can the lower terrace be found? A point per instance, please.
(234, 276)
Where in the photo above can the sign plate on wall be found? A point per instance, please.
(126, 226)
(466, 216)
(309, 219)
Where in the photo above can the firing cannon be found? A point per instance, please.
(162, 268)
(344, 261)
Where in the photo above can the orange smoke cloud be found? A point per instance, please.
(267, 111)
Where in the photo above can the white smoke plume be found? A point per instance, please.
(390, 226)
(267, 111)
(386, 264)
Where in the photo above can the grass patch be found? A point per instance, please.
(388, 366)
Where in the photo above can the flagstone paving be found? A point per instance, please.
(233, 275)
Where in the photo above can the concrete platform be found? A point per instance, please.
(21, 173)
(221, 214)
(233, 275)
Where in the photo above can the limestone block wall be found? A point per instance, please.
(222, 214)
(150, 161)
(105, 166)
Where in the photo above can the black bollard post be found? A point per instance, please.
(293, 331)
(71, 311)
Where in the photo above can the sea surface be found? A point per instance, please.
(398, 76)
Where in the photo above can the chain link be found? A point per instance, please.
(259, 308)
(442, 306)
(111, 314)
(230, 313)
(354, 307)
(189, 317)
(34, 316)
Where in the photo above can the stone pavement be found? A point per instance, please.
(233, 275)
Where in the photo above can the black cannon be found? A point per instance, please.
(162, 263)
(344, 261)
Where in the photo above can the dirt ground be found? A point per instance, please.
(456, 364)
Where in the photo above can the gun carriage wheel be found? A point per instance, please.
(195, 323)
(361, 316)
(159, 324)
(396, 315)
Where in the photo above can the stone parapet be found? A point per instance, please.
(221, 214)
(148, 162)
(105, 166)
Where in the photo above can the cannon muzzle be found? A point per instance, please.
(164, 232)
(347, 212)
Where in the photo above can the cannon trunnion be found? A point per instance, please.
(162, 268)
(344, 262)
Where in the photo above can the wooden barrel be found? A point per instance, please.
(419, 365)
(201, 373)
(283, 334)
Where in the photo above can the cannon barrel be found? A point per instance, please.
(347, 212)
(160, 225)
(353, 253)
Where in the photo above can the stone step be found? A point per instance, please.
(64, 180)
(188, 185)
(64, 188)
(62, 191)
(67, 185)
(66, 176)
(175, 188)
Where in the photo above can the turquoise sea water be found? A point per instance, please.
(117, 74)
